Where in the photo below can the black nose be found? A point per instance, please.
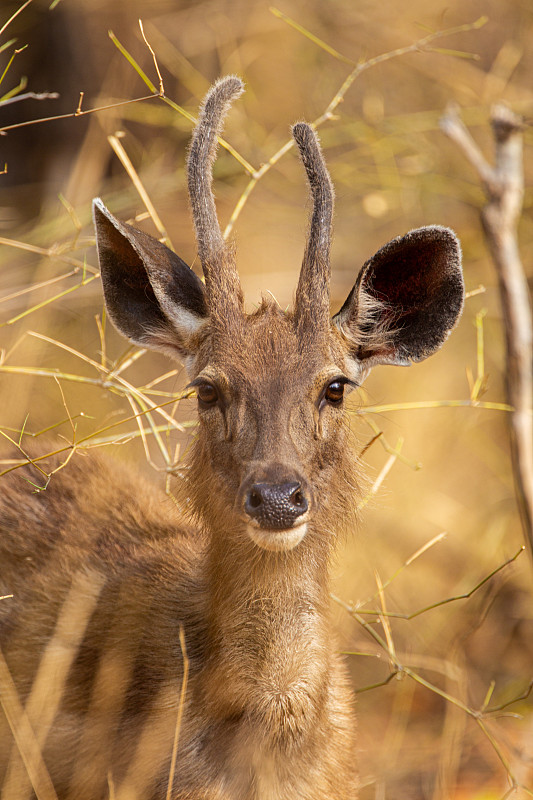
(275, 505)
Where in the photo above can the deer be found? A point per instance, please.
(216, 613)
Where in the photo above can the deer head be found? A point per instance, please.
(271, 462)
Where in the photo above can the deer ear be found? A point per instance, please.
(406, 300)
(151, 295)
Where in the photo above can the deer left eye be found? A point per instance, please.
(334, 393)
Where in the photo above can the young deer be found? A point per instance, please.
(105, 573)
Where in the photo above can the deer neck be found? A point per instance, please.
(253, 586)
(269, 633)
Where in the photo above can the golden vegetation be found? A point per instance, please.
(433, 593)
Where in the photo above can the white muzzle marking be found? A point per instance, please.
(277, 541)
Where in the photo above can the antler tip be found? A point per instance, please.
(227, 88)
(302, 132)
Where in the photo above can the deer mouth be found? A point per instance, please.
(278, 541)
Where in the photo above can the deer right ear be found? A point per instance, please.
(151, 295)
(406, 300)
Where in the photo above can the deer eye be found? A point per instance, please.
(207, 395)
(334, 393)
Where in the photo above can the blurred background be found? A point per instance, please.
(438, 479)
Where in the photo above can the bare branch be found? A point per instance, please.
(453, 126)
(156, 65)
(504, 187)
(12, 17)
(76, 113)
(29, 96)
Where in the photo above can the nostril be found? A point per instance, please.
(255, 499)
(298, 499)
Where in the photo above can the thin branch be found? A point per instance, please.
(24, 735)
(184, 113)
(421, 550)
(503, 706)
(397, 669)
(439, 603)
(453, 126)
(422, 45)
(179, 715)
(76, 113)
(15, 14)
(134, 177)
(382, 475)
(51, 252)
(156, 65)
(416, 405)
(49, 681)
(30, 96)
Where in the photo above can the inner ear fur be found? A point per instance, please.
(152, 296)
(406, 300)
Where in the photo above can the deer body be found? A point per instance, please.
(260, 651)
(267, 712)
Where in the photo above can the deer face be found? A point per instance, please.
(271, 410)
(271, 385)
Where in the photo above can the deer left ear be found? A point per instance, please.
(406, 300)
(151, 294)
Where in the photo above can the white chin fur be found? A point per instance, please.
(277, 541)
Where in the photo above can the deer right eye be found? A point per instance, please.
(207, 395)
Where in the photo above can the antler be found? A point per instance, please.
(217, 258)
(312, 294)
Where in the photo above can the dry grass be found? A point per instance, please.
(433, 593)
